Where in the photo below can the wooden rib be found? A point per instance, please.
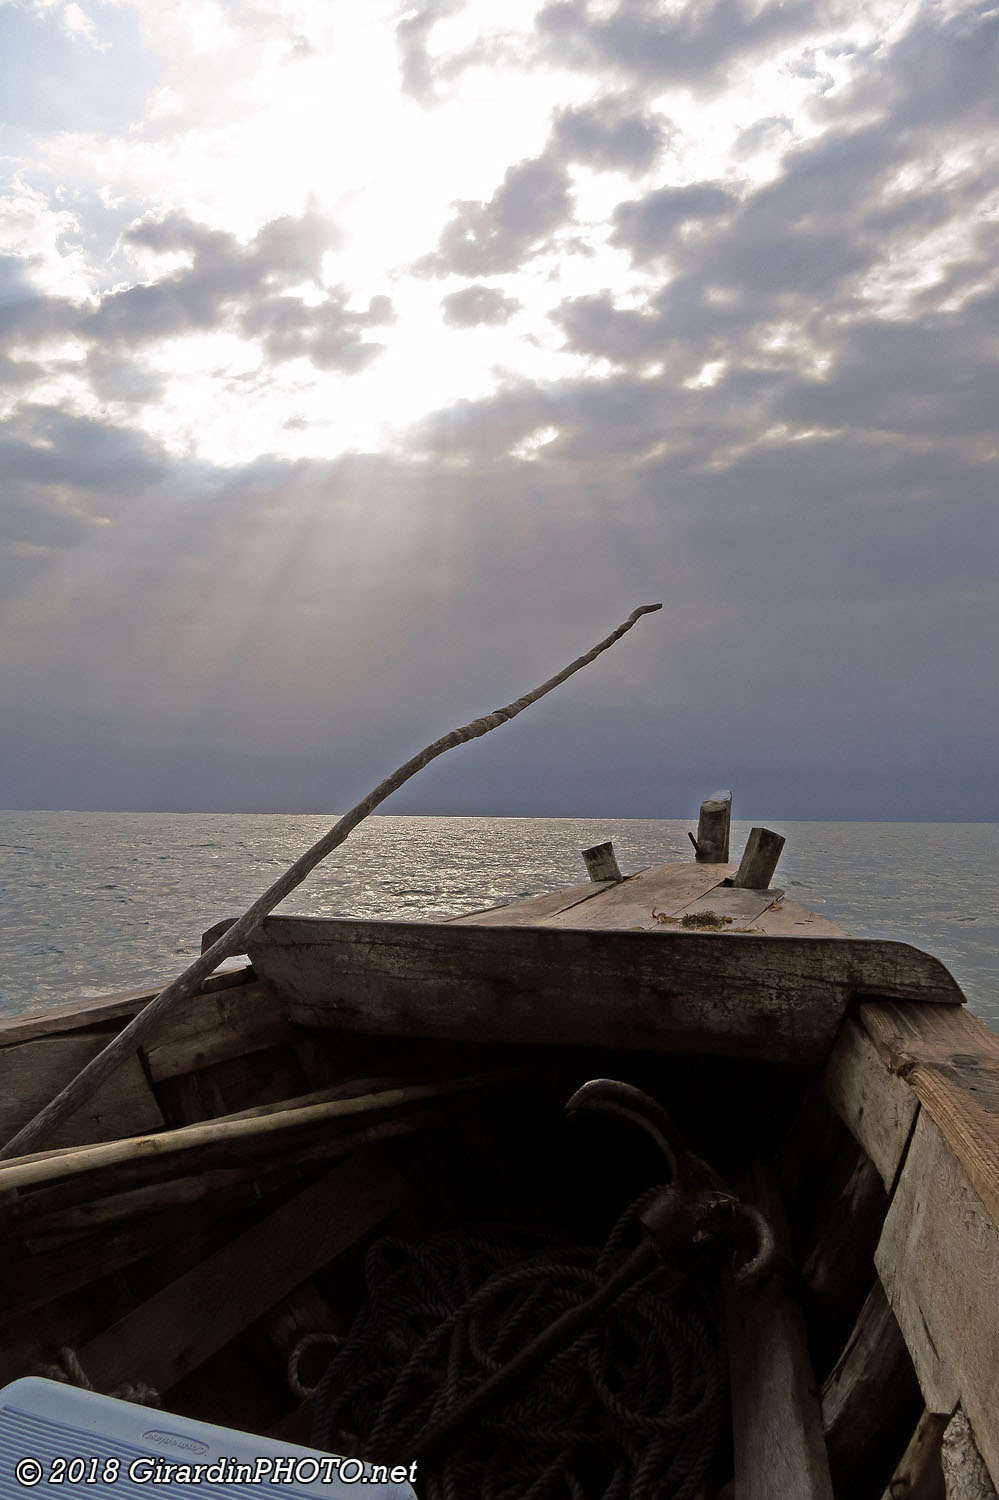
(183, 1325)
(778, 1444)
(871, 1392)
(950, 1059)
(31, 1071)
(877, 1107)
(215, 1027)
(842, 1260)
(938, 1258)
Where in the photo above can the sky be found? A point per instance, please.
(362, 364)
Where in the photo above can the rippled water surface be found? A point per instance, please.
(96, 902)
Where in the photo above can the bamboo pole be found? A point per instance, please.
(234, 939)
(70, 1161)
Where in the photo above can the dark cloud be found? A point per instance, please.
(223, 278)
(693, 45)
(27, 315)
(115, 377)
(477, 304)
(65, 477)
(610, 134)
(248, 288)
(648, 226)
(329, 334)
(939, 75)
(519, 221)
(832, 597)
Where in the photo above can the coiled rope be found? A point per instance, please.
(70, 1372)
(631, 1411)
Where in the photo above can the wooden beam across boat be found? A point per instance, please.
(777, 998)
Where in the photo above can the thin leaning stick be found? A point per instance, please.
(233, 940)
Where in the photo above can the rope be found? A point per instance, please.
(309, 1341)
(70, 1372)
(632, 1411)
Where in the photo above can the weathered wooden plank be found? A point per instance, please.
(788, 919)
(871, 1394)
(711, 843)
(759, 860)
(734, 910)
(938, 1259)
(629, 905)
(918, 1474)
(79, 1014)
(32, 1071)
(532, 909)
(778, 1443)
(778, 998)
(215, 1027)
(180, 1327)
(950, 1059)
(876, 1105)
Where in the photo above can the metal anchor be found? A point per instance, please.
(695, 1213)
(692, 1217)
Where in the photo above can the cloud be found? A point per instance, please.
(779, 418)
(519, 221)
(692, 45)
(609, 134)
(224, 276)
(65, 478)
(329, 334)
(247, 288)
(648, 226)
(412, 35)
(477, 304)
(937, 76)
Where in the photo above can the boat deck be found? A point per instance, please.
(685, 897)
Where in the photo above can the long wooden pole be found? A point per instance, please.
(233, 940)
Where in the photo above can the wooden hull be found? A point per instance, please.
(210, 1206)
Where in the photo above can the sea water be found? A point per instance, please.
(97, 902)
